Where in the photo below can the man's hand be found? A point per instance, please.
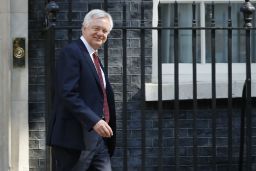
(103, 129)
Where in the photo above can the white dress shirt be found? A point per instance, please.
(91, 51)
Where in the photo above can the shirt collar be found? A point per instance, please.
(89, 48)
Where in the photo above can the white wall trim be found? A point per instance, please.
(5, 86)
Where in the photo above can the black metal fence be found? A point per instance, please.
(245, 160)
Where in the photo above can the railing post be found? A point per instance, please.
(160, 98)
(142, 78)
(230, 111)
(106, 43)
(176, 86)
(248, 10)
(50, 23)
(213, 88)
(124, 110)
(194, 71)
(51, 11)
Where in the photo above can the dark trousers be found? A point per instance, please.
(98, 159)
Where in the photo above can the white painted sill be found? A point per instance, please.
(204, 83)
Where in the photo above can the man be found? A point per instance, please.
(82, 128)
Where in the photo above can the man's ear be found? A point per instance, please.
(83, 28)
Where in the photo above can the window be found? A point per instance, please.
(203, 17)
(185, 36)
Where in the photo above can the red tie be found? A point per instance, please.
(105, 103)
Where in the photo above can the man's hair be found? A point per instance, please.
(97, 13)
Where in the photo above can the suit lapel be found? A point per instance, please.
(89, 61)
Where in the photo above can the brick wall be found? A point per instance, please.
(204, 116)
(37, 152)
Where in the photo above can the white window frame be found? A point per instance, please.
(203, 68)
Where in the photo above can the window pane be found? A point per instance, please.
(185, 36)
(238, 36)
(253, 41)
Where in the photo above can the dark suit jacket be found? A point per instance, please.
(78, 101)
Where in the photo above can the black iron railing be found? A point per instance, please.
(246, 117)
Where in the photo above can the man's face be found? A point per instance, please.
(96, 32)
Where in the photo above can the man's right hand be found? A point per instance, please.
(103, 129)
